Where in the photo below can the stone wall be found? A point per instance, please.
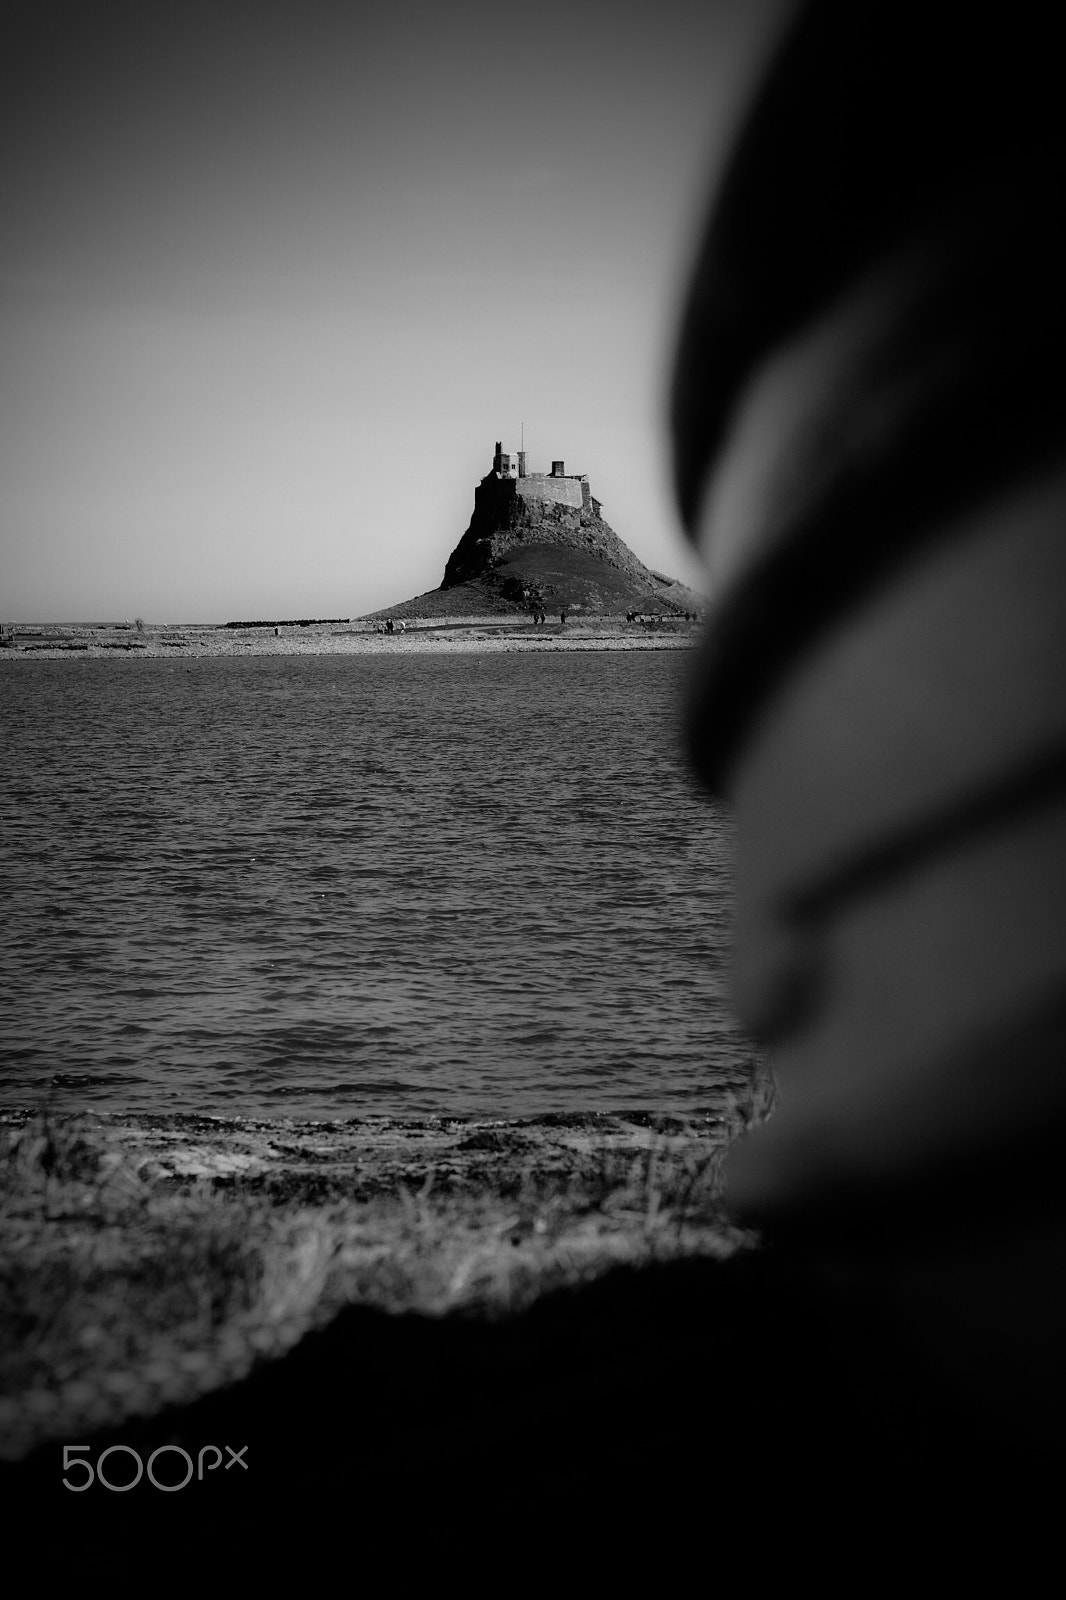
(561, 491)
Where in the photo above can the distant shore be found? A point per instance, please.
(480, 635)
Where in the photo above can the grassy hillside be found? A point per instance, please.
(567, 578)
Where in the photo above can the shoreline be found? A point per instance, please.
(644, 1389)
(487, 635)
(151, 1260)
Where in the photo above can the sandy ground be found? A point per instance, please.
(146, 1261)
(464, 636)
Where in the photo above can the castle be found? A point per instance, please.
(513, 506)
(558, 486)
(543, 533)
(536, 537)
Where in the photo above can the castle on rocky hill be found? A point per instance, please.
(515, 508)
(538, 540)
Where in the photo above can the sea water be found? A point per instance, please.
(341, 886)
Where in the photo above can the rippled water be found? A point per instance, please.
(340, 886)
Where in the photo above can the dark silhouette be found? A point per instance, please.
(869, 422)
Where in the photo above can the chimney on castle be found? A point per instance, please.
(521, 463)
(557, 469)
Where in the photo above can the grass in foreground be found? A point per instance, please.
(144, 1265)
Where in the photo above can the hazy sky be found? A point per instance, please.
(275, 276)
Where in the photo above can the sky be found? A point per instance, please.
(275, 275)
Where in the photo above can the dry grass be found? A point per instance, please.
(143, 1263)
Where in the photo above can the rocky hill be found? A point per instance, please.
(539, 541)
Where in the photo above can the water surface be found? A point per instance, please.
(348, 885)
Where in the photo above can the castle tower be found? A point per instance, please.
(521, 463)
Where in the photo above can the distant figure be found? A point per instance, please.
(562, 618)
